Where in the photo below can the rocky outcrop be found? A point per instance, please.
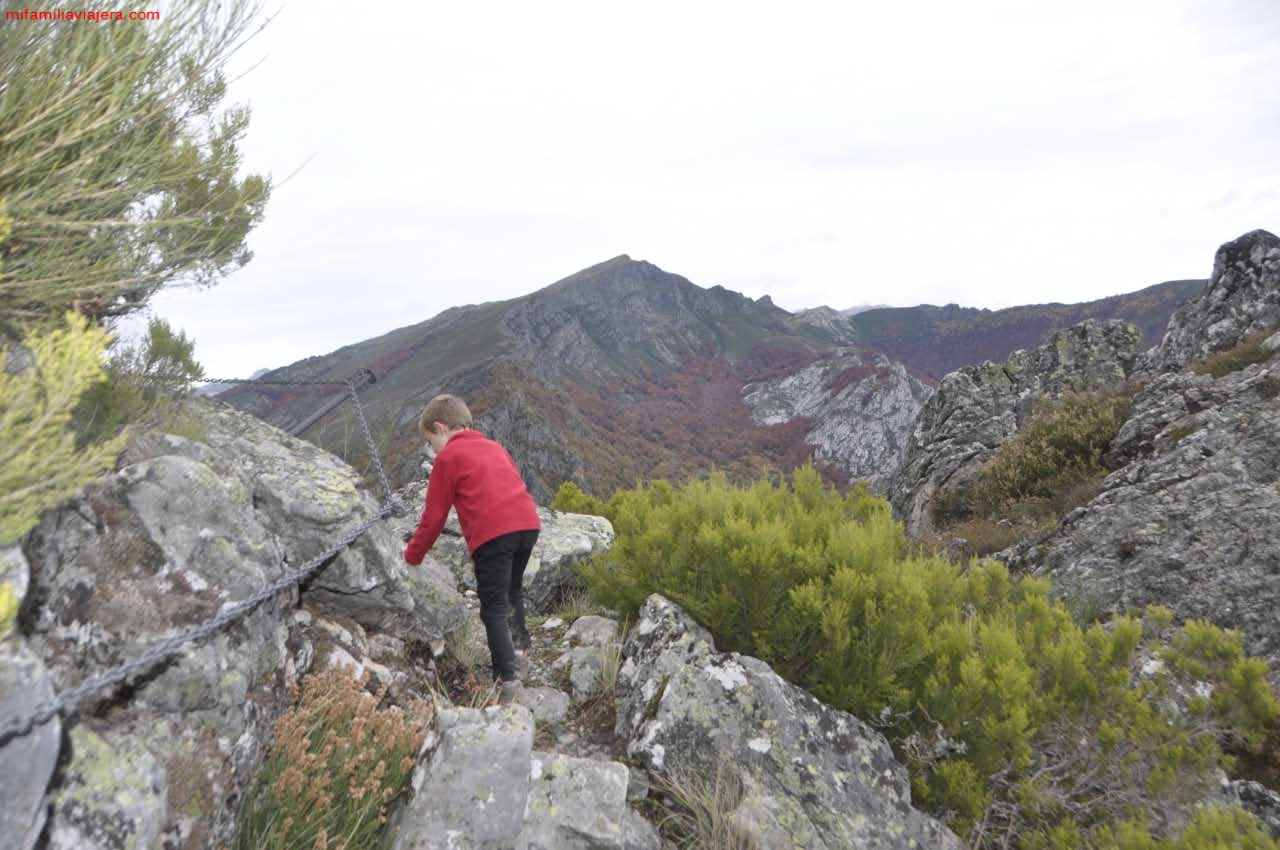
(26, 761)
(1242, 298)
(181, 530)
(862, 406)
(810, 776)
(483, 786)
(1190, 520)
(979, 407)
(624, 310)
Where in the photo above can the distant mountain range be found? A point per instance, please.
(625, 371)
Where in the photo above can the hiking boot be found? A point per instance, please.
(520, 639)
(509, 692)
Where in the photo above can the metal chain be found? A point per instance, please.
(373, 452)
(271, 383)
(66, 702)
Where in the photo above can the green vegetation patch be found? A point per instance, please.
(1248, 352)
(1019, 726)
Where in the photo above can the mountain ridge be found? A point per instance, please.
(623, 370)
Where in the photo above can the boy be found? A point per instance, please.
(499, 521)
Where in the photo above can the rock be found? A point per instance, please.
(1242, 298)
(584, 665)
(27, 760)
(638, 787)
(1261, 802)
(552, 623)
(180, 531)
(1190, 519)
(575, 804)
(111, 796)
(473, 788)
(549, 706)
(638, 833)
(592, 630)
(861, 406)
(809, 775)
(979, 407)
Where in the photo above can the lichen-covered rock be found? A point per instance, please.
(638, 833)
(549, 705)
(861, 406)
(1242, 298)
(592, 630)
(1260, 801)
(583, 666)
(810, 776)
(471, 792)
(1191, 520)
(27, 760)
(181, 530)
(977, 408)
(575, 804)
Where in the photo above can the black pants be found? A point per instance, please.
(500, 567)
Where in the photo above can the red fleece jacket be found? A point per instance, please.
(478, 476)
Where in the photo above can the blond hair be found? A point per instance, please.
(449, 409)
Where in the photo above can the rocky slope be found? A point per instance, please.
(1190, 517)
(858, 408)
(977, 408)
(182, 529)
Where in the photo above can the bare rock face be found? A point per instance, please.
(483, 786)
(27, 761)
(1242, 298)
(808, 775)
(180, 531)
(979, 407)
(862, 406)
(1192, 518)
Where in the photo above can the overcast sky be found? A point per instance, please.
(985, 152)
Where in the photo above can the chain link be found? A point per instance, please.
(68, 701)
(272, 383)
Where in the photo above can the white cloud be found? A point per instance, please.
(989, 153)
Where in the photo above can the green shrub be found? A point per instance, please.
(1013, 719)
(40, 463)
(1181, 432)
(1248, 352)
(570, 498)
(148, 384)
(1060, 446)
(337, 762)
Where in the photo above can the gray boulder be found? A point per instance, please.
(977, 408)
(471, 792)
(808, 775)
(180, 531)
(860, 406)
(483, 787)
(1242, 298)
(575, 804)
(27, 760)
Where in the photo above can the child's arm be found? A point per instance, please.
(439, 500)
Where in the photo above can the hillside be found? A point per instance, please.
(624, 371)
(937, 340)
(617, 372)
